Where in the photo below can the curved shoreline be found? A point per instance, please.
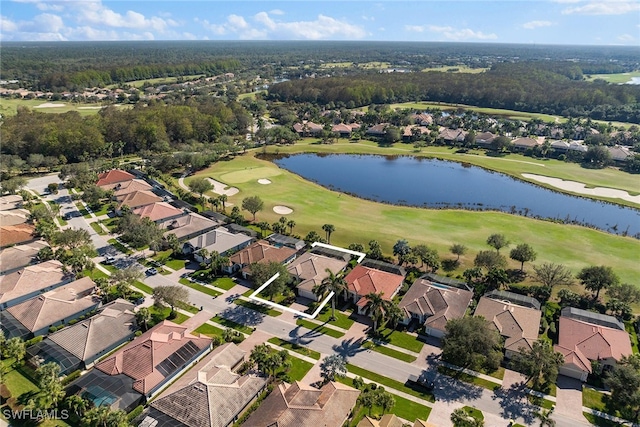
(581, 188)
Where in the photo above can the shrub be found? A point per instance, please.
(33, 341)
(71, 377)
(135, 413)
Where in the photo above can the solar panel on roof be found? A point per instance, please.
(183, 355)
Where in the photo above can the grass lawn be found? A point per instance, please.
(489, 385)
(234, 325)
(95, 274)
(225, 283)
(16, 382)
(614, 78)
(318, 328)
(247, 293)
(475, 413)
(342, 320)
(498, 373)
(299, 368)
(119, 246)
(600, 422)
(580, 246)
(144, 288)
(180, 318)
(400, 339)
(388, 382)
(96, 227)
(209, 330)
(82, 210)
(200, 288)
(9, 107)
(176, 264)
(633, 335)
(390, 352)
(550, 388)
(295, 347)
(541, 402)
(593, 399)
(257, 307)
(104, 209)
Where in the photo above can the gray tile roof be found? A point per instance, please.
(219, 240)
(87, 339)
(20, 256)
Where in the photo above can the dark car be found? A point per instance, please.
(421, 381)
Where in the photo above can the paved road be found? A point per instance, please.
(500, 406)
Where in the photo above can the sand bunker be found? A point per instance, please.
(90, 108)
(282, 210)
(49, 105)
(580, 188)
(264, 181)
(220, 188)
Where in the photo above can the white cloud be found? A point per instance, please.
(461, 34)
(626, 38)
(7, 25)
(93, 12)
(531, 25)
(604, 8)
(264, 26)
(276, 12)
(416, 28)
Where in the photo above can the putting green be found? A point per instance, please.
(250, 174)
(360, 221)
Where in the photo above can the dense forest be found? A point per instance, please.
(552, 88)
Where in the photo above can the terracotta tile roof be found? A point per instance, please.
(19, 256)
(158, 211)
(122, 188)
(14, 234)
(295, 405)
(592, 340)
(438, 303)
(423, 118)
(56, 305)
(387, 420)
(137, 199)
(14, 217)
(11, 201)
(311, 268)
(210, 394)
(574, 357)
(113, 176)
(261, 252)
(31, 279)
(149, 359)
(365, 280)
(115, 322)
(518, 324)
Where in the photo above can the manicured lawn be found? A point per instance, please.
(16, 382)
(299, 368)
(615, 78)
(9, 107)
(390, 352)
(119, 246)
(257, 307)
(342, 320)
(633, 335)
(225, 283)
(593, 399)
(295, 347)
(580, 246)
(180, 318)
(318, 328)
(550, 388)
(144, 288)
(248, 292)
(400, 339)
(200, 288)
(475, 413)
(209, 330)
(95, 274)
(231, 324)
(104, 209)
(388, 382)
(187, 307)
(468, 378)
(600, 422)
(542, 402)
(175, 264)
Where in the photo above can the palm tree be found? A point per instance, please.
(331, 283)
(291, 223)
(328, 228)
(143, 316)
(393, 313)
(223, 199)
(376, 306)
(263, 226)
(215, 202)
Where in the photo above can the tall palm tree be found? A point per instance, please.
(223, 199)
(329, 228)
(393, 313)
(331, 283)
(376, 306)
(291, 223)
(263, 226)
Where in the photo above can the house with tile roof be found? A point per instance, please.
(433, 304)
(422, 119)
(514, 317)
(452, 135)
(525, 143)
(22, 284)
(297, 404)
(378, 130)
(484, 139)
(307, 128)
(137, 199)
(219, 240)
(113, 176)
(35, 316)
(11, 201)
(585, 337)
(126, 187)
(14, 217)
(259, 252)
(78, 346)
(379, 279)
(16, 234)
(140, 369)
(390, 420)
(159, 212)
(211, 394)
(310, 269)
(17, 257)
(188, 226)
(277, 239)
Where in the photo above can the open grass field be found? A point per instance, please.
(457, 69)
(358, 220)
(365, 65)
(9, 107)
(158, 81)
(615, 78)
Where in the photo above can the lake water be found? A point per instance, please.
(442, 184)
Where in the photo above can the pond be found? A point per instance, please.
(435, 183)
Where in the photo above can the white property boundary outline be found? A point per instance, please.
(254, 296)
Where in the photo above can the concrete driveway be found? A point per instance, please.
(569, 396)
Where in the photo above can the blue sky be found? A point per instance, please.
(584, 22)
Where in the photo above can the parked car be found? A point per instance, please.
(109, 259)
(151, 271)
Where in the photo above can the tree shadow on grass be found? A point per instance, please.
(243, 315)
(450, 389)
